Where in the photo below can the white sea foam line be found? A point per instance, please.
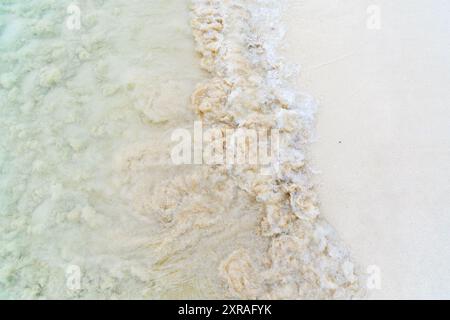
(238, 42)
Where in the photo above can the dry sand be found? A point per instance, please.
(383, 131)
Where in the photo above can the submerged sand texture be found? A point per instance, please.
(85, 117)
(383, 133)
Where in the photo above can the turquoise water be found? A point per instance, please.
(72, 103)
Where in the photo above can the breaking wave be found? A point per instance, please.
(249, 87)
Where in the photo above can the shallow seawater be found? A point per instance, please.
(92, 204)
(85, 122)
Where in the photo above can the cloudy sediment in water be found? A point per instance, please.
(91, 202)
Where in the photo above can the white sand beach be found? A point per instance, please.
(94, 206)
(383, 132)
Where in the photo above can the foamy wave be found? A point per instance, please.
(249, 88)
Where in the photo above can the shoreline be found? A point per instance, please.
(250, 87)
